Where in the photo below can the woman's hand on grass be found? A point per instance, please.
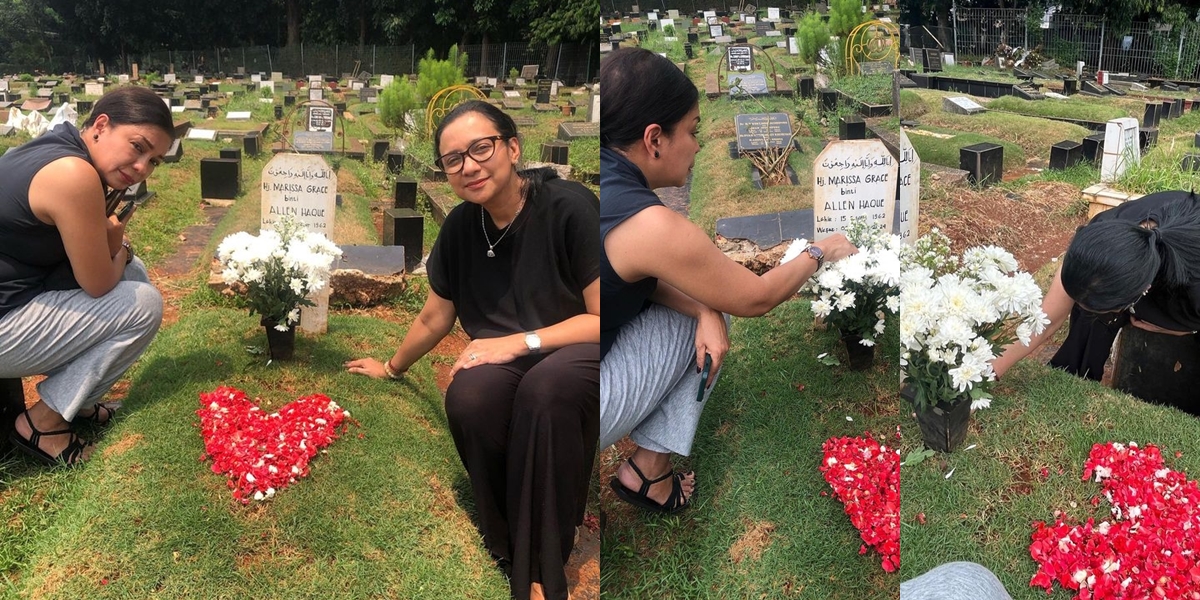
(366, 366)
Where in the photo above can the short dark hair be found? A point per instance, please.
(641, 89)
(505, 125)
(133, 105)
(1111, 262)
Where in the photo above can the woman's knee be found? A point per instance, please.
(469, 395)
(558, 391)
(141, 304)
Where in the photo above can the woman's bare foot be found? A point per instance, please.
(45, 420)
(654, 465)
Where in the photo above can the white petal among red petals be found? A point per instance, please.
(264, 453)
(865, 476)
(1149, 549)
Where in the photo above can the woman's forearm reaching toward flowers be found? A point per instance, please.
(1057, 306)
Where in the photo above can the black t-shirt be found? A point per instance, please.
(624, 192)
(1175, 308)
(541, 267)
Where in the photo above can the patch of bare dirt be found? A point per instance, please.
(124, 444)
(1035, 224)
(753, 542)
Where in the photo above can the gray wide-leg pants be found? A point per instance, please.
(82, 344)
(649, 383)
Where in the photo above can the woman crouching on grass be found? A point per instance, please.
(75, 304)
(665, 285)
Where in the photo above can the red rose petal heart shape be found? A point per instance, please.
(1151, 548)
(865, 476)
(260, 452)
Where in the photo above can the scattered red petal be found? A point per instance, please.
(865, 477)
(921, 518)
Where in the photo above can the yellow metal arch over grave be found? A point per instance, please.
(874, 41)
(444, 101)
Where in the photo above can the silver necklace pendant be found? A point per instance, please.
(491, 254)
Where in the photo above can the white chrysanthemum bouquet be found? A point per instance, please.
(956, 316)
(856, 294)
(279, 268)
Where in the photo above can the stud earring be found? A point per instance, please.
(96, 138)
(656, 154)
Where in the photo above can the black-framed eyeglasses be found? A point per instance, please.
(479, 150)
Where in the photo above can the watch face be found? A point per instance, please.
(816, 252)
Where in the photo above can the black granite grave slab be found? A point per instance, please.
(852, 127)
(278, 112)
(1150, 118)
(555, 152)
(405, 193)
(405, 227)
(806, 85)
(175, 152)
(252, 143)
(1070, 86)
(1093, 147)
(1065, 154)
(1191, 162)
(379, 149)
(1092, 88)
(1196, 141)
(1177, 109)
(759, 131)
(923, 81)
(572, 130)
(289, 100)
(395, 161)
(1114, 90)
(983, 162)
(219, 178)
(1148, 138)
(827, 99)
(770, 229)
(372, 260)
(1168, 110)
(234, 154)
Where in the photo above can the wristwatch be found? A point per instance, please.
(533, 342)
(128, 251)
(816, 254)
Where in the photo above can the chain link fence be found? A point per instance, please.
(1166, 51)
(572, 64)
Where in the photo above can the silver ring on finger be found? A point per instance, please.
(472, 357)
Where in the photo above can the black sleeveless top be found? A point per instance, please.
(1175, 308)
(32, 257)
(624, 192)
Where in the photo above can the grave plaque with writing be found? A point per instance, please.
(529, 71)
(851, 180)
(320, 118)
(754, 84)
(169, 78)
(386, 80)
(761, 28)
(543, 91)
(304, 188)
(715, 31)
(773, 14)
(741, 58)
(316, 93)
(909, 208)
(760, 131)
(93, 89)
(198, 79)
(1121, 148)
(933, 59)
(793, 46)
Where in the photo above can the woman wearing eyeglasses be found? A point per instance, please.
(517, 263)
(75, 305)
(1137, 264)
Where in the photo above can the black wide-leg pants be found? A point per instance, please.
(526, 432)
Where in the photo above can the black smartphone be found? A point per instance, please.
(704, 377)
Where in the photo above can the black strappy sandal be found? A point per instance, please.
(674, 503)
(110, 410)
(71, 455)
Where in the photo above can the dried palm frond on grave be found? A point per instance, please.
(772, 163)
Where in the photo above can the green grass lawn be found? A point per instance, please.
(1040, 418)
(384, 512)
(760, 527)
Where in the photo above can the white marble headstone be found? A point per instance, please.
(1122, 148)
(853, 179)
(909, 209)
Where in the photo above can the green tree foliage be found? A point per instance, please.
(813, 36)
(844, 16)
(396, 100)
(434, 75)
(559, 21)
